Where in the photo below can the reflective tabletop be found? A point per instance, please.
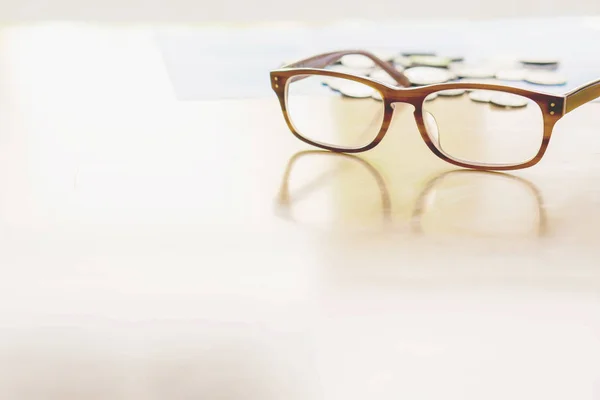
(154, 248)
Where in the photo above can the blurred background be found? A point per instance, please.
(269, 10)
(158, 244)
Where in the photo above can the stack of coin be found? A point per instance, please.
(429, 68)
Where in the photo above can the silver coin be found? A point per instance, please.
(545, 78)
(357, 61)
(402, 61)
(481, 96)
(502, 62)
(329, 81)
(474, 72)
(540, 61)
(377, 96)
(456, 65)
(417, 53)
(452, 92)
(549, 67)
(427, 75)
(430, 61)
(452, 76)
(508, 100)
(511, 75)
(430, 97)
(355, 89)
(382, 76)
(455, 59)
(333, 83)
(385, 54)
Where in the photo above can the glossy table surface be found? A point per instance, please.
(160, 249)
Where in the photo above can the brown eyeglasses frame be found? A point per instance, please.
(553, 106)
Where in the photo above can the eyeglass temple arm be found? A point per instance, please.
(323, 60)
(581, 95)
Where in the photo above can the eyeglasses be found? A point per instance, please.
(473, 125)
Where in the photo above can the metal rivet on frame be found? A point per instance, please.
(551, 104)
(551, 112)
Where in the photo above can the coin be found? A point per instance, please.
(540, 61)
(474, 72)
(332, 82)
(402, 61)
(357, 61)
(382, 76)
(355, 89)
(456, 58)
(547, 78)
(427, 75)
(451, 92)
(502, 62)
(432, 96)
(430, 61)
(417, 53)
(511, 74)
(481, 96)
(457, 65)
(508, 100)
(452, 76)
(549, 67)
(377, 96)
(385, 54)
